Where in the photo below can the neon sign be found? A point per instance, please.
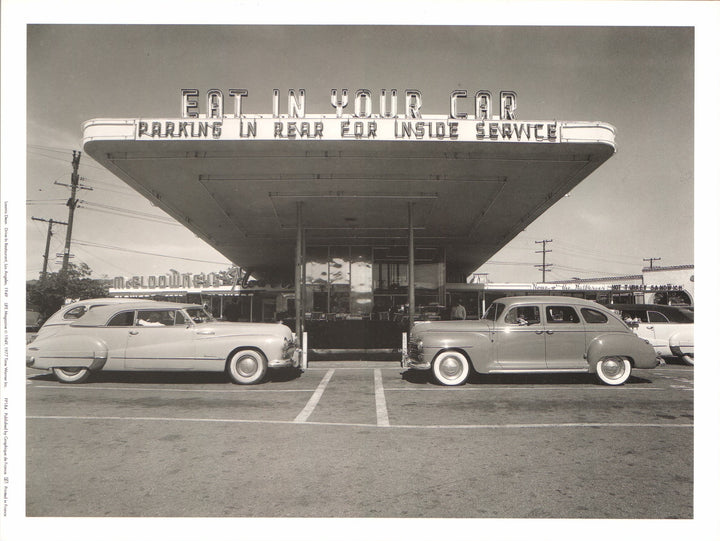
(363, 104)
(470, 118)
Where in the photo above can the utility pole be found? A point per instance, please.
(71, 203)
(544, 266)
(47, 243)
(651, 259)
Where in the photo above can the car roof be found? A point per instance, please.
(677, 313)
(100, 301)
(656, 307)
(548, 299)
(100, 315)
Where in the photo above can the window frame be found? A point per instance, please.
(550, 321)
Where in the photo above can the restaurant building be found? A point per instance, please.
(350, 222)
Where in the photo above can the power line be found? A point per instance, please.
(117, 248)
(544, 266)
(128, 211)
(72, 203)
(47, 243)
(651, 259)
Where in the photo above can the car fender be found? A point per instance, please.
(682, 342)
(626, 345)
(81, 351)
(221, 346)
(475, 345)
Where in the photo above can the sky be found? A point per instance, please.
(637, 205)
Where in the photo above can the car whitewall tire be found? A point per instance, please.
(247, 366)
(689, 359)
(451, 368)
(613, 370)
(71, 375)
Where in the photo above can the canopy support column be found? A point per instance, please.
(411, 264)
(299, 275)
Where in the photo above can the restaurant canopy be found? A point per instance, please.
(238, 182)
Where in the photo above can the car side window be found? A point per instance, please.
(561, 314)
(657, 317)
(593, 316)
(123, 319)
(523, 315)
(155, 318)
(75, 313)
(637, 315)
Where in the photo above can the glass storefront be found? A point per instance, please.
(363, 282)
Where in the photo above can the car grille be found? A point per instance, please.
(413, 351)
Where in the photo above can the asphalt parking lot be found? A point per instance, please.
(359, 439)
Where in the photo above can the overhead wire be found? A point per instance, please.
(118, 248)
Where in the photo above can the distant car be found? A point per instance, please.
(32, 325)
(530, 334)
(669, 329)
(160, 336)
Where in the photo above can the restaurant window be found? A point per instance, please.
(390, 276)
(361, 280)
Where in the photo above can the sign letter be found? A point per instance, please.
(188, 103)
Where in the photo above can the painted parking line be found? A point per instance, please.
(380, 404)
(164, 390)
(315, 398)
(485, 389)
(363, 425)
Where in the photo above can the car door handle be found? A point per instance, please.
(539, 332)
(134, 332)
(205, 333)
(550, 332)
(650, 327)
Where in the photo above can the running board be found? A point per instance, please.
(539, 371)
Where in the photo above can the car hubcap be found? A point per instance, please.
(70, 371)
(613, 368)
(247, 366)
(451, 368)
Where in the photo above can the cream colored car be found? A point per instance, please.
(669, 329)
(161, 336)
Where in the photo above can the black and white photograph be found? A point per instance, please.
(385, 270)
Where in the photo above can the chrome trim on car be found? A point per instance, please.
(281, 363)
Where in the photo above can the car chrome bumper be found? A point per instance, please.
(292, 361)
(416, 364)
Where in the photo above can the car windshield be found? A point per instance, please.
(494, 311)
(199, 315)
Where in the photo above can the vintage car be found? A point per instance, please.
(160, 336)
(530, 334)
(669, 329)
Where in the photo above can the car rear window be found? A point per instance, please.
(75, 313)
(593, 316)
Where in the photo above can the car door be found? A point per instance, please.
(564, 337)
(520, 338)
(661, 328)
(160, 340)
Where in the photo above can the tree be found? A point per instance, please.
(48, 296)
